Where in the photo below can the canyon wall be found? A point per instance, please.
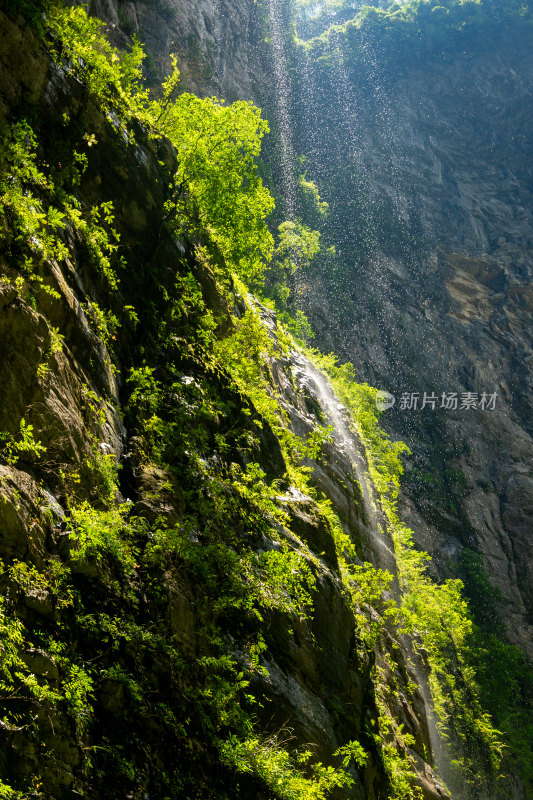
(436, 280)
(425, 161)
(426, 168)
(166, 564)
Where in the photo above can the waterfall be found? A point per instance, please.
(351, 453)
(350, 449)
(337, 106)
(282, 92)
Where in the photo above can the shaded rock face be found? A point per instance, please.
(441, 298)
(312, 678)
(215, 42)
(318, 678)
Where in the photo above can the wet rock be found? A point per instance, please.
(41, 663)
(24, 68)
(427, 781)
(182, 614)
(213, 39)
(453, 313)
(160, 496)
(21, 532)
(39, 600)
(309, 527)
(112, 696)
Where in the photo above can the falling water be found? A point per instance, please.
(282, 91)
(337, 108)
(347, 444)
(331, 133)
(322, 133)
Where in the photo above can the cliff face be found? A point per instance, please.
(215, 42)
(440, 293)
(432, 294)
(427, 169)
(163, 568)
(425, 161)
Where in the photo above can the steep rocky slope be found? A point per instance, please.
(423, 151)
(215, 41)
(181, 606)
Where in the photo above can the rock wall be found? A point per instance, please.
(440, 302)
(440, 299)
(111, 658)
(216, 42)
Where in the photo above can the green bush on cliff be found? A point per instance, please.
(296, 247)
(113, 77)
(504, 674)
(281, 773)
(23, 447)
(37, 211)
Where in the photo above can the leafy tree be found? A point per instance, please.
(297, 246)
(217, 146)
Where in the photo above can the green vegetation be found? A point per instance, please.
(216, 144)
(296, 248)
(23, 447)
(149, 625)
(39, 210)
(112, 77)
(110, 587)
(278, 771)
(228, 507)
(405, 32)
(503, 672)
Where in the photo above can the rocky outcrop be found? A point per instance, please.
(120, 647)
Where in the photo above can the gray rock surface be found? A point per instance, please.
(445, 151)
(215, 41)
